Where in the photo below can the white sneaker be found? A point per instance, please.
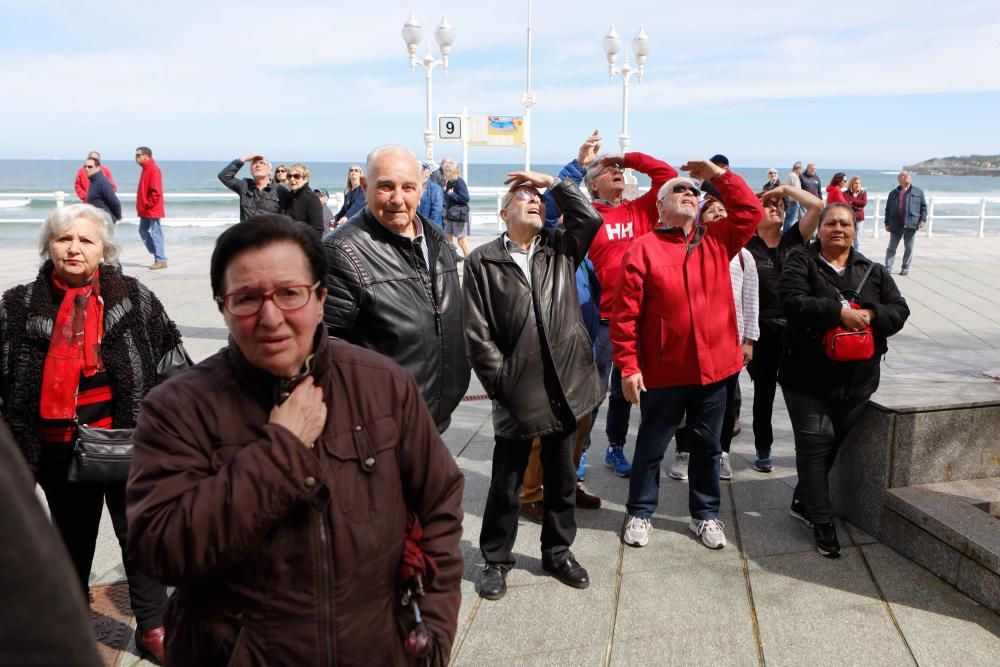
(710, 531)
(636, 531)
(679, 468)
(725, 470)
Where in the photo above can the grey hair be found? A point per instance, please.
(593, 171)
(60, 218)
(391, 148)
(904, 172)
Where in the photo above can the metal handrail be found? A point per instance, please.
(496, 194)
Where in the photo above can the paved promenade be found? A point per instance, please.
(767, 598)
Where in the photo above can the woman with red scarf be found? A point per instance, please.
(83, 344)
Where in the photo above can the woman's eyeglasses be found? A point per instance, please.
(289, 297)
(296, 176)
(280, 171)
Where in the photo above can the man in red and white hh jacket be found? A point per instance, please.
(673, 334)
(624, 221)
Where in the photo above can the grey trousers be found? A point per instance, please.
(909, 238)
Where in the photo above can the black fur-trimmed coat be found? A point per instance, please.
(141, 347)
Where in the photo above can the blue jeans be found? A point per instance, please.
(152, 236)
(791, 216)
(908, 237)
(611, 379)
(859, 229)
(662, 411)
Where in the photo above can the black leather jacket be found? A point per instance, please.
(381, 298)
(808, 291)
(534, 373)
(271, 199)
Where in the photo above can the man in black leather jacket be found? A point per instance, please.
(393, 284)
(534, 357)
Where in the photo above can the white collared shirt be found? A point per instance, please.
(418, 236)
(521, 256)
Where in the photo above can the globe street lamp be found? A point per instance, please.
(444, 35)
(640, 47)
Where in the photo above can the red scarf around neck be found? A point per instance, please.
(75, 347)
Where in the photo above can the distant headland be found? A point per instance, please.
(966, 165)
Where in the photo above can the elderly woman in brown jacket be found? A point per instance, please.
(272, 482)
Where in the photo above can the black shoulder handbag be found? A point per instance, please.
(101, 455)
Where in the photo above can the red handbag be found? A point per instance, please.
(842, 344)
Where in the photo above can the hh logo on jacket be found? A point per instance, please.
(618, 231)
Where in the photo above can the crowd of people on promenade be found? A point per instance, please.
(294, 488)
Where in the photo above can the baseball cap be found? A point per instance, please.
(321, 191)
(719, 160)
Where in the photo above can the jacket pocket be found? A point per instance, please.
(365, 470)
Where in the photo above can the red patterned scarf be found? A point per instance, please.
(75, 347)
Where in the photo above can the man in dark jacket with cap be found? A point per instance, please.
(534, 358)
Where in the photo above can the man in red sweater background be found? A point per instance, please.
(82, 182)
(624, 221)
(149, 206)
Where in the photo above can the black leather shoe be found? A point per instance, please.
(493, 581)
(568, 571)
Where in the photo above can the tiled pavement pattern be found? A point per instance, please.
(768, 598)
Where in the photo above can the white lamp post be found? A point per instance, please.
(445, 37)
(640, 47)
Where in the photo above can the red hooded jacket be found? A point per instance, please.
(625, 223)
(82, 182)
(149, 197)
(674, 317)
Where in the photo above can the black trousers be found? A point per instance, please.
(510, 457)
(820, 426)
(733, 401)
(763, 370)
(76, 512)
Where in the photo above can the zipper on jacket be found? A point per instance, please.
(326, 615)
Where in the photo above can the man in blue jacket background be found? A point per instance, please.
(905, 213)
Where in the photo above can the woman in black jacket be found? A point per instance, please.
(824, 397)
(302, 204)
(83, 344)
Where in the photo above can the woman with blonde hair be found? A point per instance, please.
(354, 195)
(857, 197)
(456, 213)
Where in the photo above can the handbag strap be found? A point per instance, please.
(864, 278)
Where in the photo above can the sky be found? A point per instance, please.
(873, 85)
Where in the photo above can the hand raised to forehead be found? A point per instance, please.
(534, 178)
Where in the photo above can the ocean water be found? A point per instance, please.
(199, 219)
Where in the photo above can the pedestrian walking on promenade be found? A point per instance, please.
(905, 213)
(393, 284)
(457, 214)
(673, 332)
(149, 206)
(534, 358)
(280, 483)
(82, 183)
(824, 286)
(101, 192)
(793, 180)
(82, 345)
(835, 190)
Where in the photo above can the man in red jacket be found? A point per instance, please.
(149, 206)
(82, 182)
(674, 338)
(624, 221)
